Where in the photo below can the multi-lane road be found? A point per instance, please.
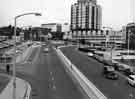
(92, 69)
(48, 78)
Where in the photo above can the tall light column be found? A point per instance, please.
(14, 64)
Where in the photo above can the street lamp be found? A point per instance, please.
(106, 41)
(129, 32)
(14, 64)
(107, 36)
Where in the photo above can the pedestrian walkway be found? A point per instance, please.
(22, 90)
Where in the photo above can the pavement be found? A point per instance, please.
(23, 88)
(92, 69)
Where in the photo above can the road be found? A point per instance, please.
(48, 77)
(92, 69)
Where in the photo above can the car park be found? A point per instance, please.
(109, 72)
(131, 80)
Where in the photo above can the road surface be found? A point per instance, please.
(48, 77)
(92, 69)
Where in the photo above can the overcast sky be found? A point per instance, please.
(115, 12)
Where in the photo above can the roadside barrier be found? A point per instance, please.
(89, 88)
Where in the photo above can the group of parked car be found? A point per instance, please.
(109, 72)
(109, 68)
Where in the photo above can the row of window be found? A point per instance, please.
(89, 26)
(95, 39)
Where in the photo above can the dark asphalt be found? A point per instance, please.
(113, 89)
(49, 79)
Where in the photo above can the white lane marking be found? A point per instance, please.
(52, 78)
(54, 87)
(131, 95)
(50, 73)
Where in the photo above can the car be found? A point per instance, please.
(118, 67)
(128, 72)
(46, 49)
(90, 54)
(43, 44)
(108, 69)
(111, 75)
(109, 72)
(38, 43)
(131, 80)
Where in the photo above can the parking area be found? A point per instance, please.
(93, 69)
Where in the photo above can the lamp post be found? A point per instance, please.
(129, 32)
(14, 63)
(106, 42)
(107, 36)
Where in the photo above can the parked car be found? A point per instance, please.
(43, 44)
(107, 69)
(90, 54)
(128, 72)
(111, 75)
(109, 72)
(131, 80)
(46, 50)
(118, 67)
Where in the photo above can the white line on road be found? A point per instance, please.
(54, 87)
(52, 78)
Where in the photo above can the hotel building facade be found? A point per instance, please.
(86, 23)
(86, 16)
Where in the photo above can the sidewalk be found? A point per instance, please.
(22, 90)
(21, 58)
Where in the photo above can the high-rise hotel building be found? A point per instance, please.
(86, 16)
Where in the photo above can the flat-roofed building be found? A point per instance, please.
(55, 27)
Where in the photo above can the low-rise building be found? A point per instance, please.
(55, 27)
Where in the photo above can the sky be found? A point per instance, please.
(116, 13)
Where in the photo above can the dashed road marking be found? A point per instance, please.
(54, 87)
(52, 78)
(131, 95)
(51, 72)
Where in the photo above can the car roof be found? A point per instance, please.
(108, 66)
(133, 76)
